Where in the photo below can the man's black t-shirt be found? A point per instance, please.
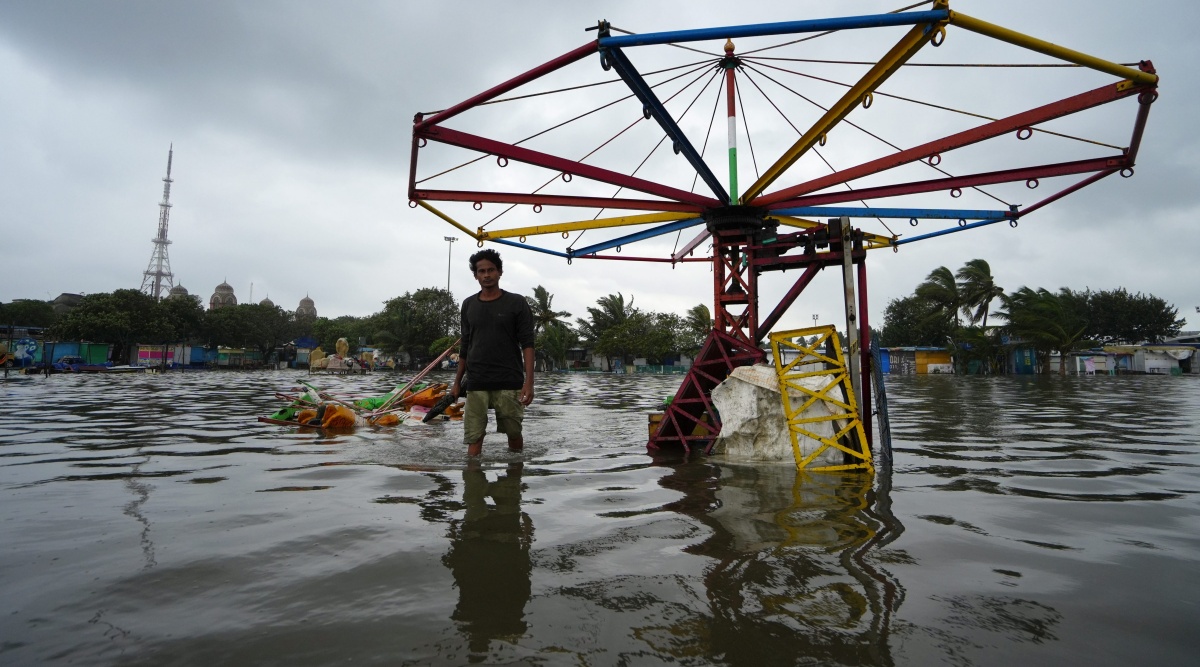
(494, 333)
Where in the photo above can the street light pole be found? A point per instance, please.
(449, 250)
(450, 247)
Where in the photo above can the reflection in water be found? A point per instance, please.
(489, 557)
(798, 565)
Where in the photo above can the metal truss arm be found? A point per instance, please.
(1053, 50)
(520, 80)
(1016, 122)
(918, 213)
(621, 221)
(500, 149)
(1028, 174)
(780, 28)
(638, 236)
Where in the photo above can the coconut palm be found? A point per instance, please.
(976, 290)
(1045, 320)
(544, 315)
(941, 292)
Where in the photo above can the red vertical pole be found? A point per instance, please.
(864, 342)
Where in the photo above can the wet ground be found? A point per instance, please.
(150, 520)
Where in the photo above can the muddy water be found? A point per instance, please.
(150, 520)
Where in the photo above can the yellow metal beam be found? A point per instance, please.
(873, 240)
(1053, 50)
(889, 63)
(447, 218)
(621, 221)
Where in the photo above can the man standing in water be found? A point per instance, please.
(497, 352)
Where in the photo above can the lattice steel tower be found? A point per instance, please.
(157, 275)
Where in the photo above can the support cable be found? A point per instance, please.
(570, 88)
(700, 67)
(863, 130)
(935, 106)
(707, 136)
(831, 169)
(602, 145)
(660, 142)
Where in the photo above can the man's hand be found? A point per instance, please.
(526, 394)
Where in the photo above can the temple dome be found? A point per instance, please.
(307, 307)
(222, 296)
(178, 290)
(267, 302)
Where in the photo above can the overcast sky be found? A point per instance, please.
(292, 121)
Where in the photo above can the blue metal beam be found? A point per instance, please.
(526, 246)
(638, 236)
(645, 94)
(782, 28)
(943, 232)
(918, 213)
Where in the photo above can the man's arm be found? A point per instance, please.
(527, 389)
(456, 388)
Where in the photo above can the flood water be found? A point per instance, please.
(150, 520)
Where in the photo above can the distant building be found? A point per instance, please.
(222, 296)
(267, 302)
(65, 302)
(306, 308)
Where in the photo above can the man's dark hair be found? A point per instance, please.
(491, 256)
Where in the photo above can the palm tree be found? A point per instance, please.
(1046, 321)
(977, 289)
(544, 315)
(612, 312)
(941, 291)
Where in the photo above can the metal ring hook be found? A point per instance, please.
(1127, 172)
(478, 206)
(566, 235)
(521, 238)
(566, 177)
(962, 222)
(821, 141)
(502, 161)
(912, 221)
(868, 100)
(935, 159)
(939, 36)
(412, 203)
(537, 208)
(479, 244)
(421, 142)
(956, 192)
(1024, 133)
(1031, 183)
(1012, 223)
(618, 249)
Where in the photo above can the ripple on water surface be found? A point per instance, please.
(149, 519)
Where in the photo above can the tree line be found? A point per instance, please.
(950, 309)
(419, 324)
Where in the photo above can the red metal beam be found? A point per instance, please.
(1070, 105)
(864, 347)
(545, 68)
(786, 302)
(539, 159)
(1068, 190)
(665, 260)
(975, 180)
(554, 200)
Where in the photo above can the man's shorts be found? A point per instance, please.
(509, 413)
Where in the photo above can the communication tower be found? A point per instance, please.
(157, 276)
